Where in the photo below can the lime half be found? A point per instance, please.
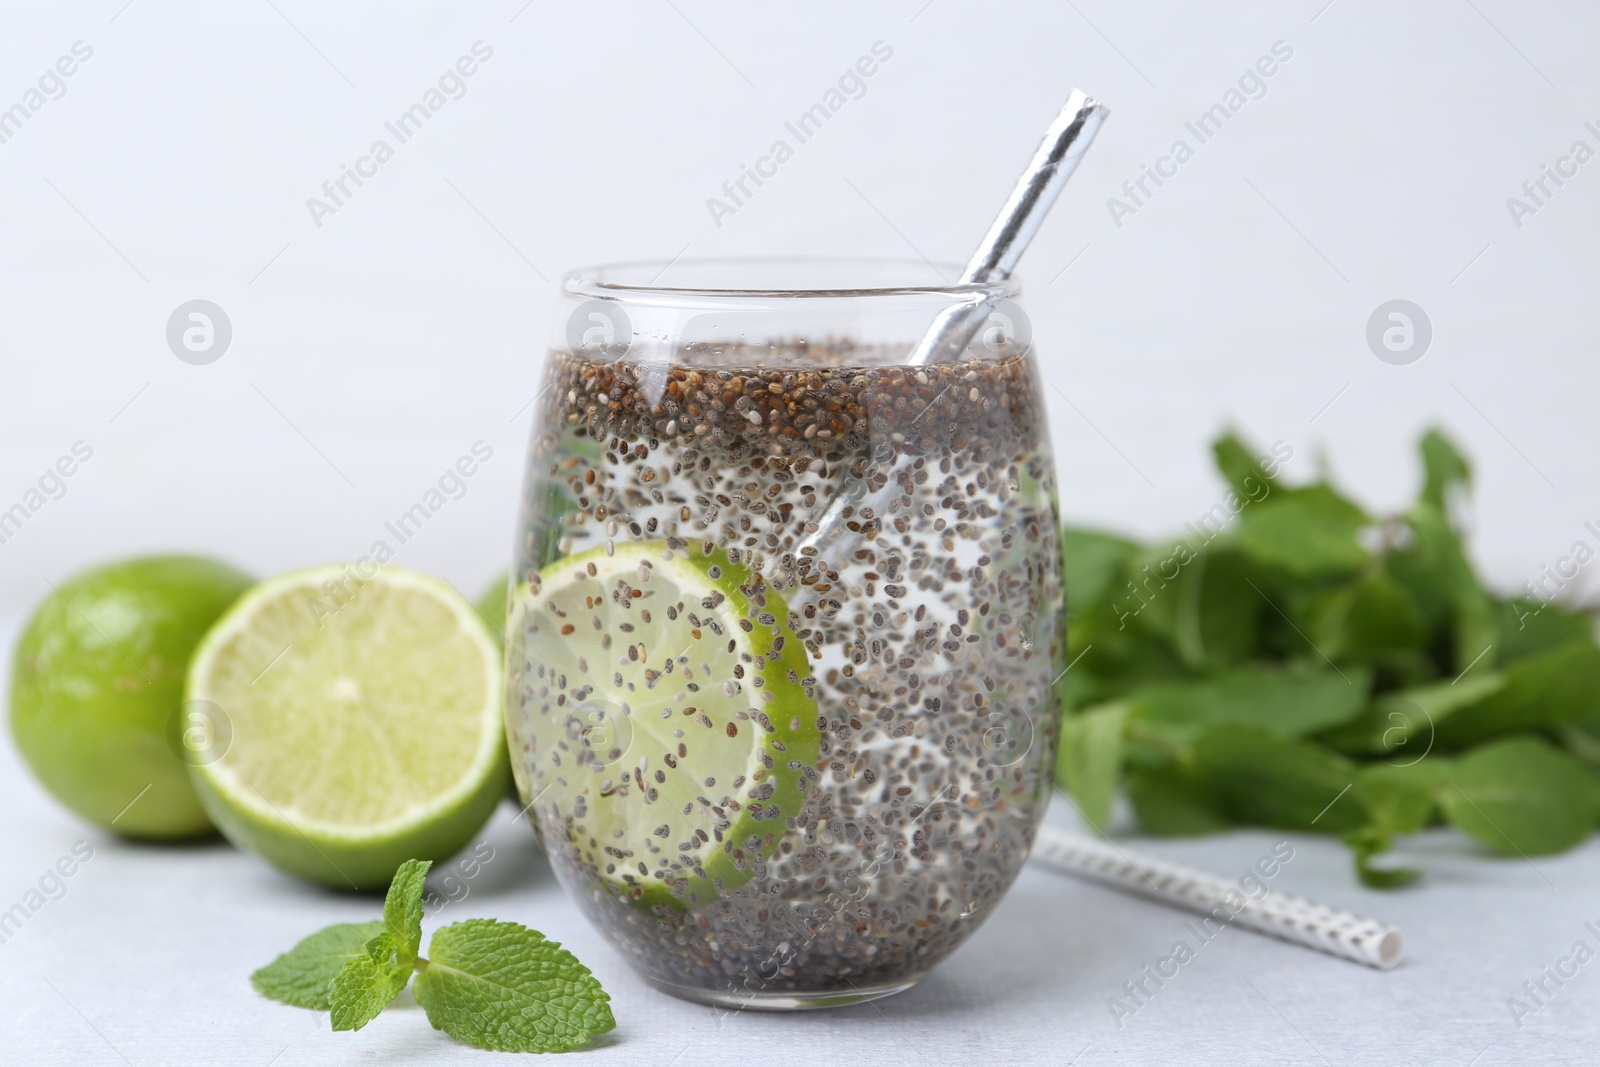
(356, 723)
(667, 727)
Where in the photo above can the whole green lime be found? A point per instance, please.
(491, 604)
(97, 690)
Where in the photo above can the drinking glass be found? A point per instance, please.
(785, 621)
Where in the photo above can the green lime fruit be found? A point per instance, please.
(364, 720)
(97, 690)
(678, 701)
(491, 604)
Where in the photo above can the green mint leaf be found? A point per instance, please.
(1196, 598)
(1308, 532)
(504, 987)
(1240, 466)
(1528, 627)
(1290, 702)
(402, 907)
(1146, 598)
(1172, 802)
(1404, 723)
(1218, 613)
(1399, 798)
(1262, 778)
(1091, 563)
(370, 982)
(1116, 646)
(1367, 620)
(1583, 740)
(1521, 796)
(303, 975)
(1368, 844)
(1433, 565)
(1550, 689)
(1445, 470)
(1090, 760)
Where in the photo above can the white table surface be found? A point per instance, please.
(145, 960)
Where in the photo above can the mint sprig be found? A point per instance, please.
(1291, 659)
(494, 985)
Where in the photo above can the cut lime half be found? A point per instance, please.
(355, 722)
(666, 723)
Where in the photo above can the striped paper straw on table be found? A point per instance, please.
(1282, 915)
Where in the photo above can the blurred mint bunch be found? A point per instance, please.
(1294, 661)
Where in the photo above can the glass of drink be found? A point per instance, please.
(785, 621)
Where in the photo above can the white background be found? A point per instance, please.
(413, 322)
(368, 354)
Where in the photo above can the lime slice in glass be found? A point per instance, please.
(360, 722)
(668, 730)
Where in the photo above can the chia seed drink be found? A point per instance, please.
(782, 655)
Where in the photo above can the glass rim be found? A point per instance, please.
(603, 281)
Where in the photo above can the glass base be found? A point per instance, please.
(744, 999)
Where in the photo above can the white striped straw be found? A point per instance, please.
(1281, 915)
